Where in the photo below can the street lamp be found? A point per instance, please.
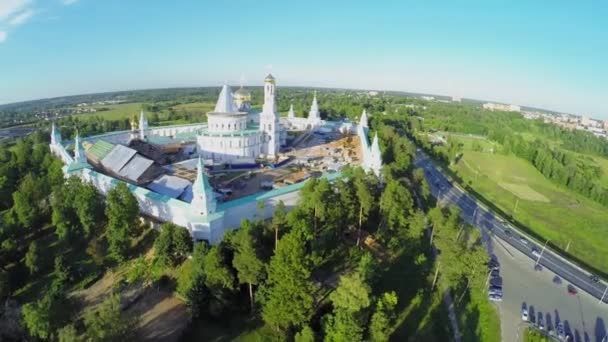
(542, 251)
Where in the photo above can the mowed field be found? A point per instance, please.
(551, 211)
(126, 110)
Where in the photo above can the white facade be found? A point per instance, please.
(233, 133)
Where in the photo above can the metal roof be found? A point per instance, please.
(135, 168)
(100, 149)
(169, 185)
(118, 157)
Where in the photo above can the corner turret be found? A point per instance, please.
(202, 192)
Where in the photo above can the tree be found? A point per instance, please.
(26, 199)
(173, 244)
(163, 245)
(383, 318)
(248, 265)
(122, 212)
(67, 334)
(37, 317)
(396, 205)
(217, 273)
(352, 294)
(365, 198)
(88, 206)
(32, 258)
(182, 243)
(279, 220)
(289, 290)
(108, 323)
(305, 335)
(342, 326)
(367, 267)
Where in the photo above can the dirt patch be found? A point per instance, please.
(162, 316)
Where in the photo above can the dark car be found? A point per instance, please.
(594, 278)
(572, 290)
(557, 280)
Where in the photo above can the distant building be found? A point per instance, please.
(503, 107)
(456, 99)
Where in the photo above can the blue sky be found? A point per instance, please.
(550, 54)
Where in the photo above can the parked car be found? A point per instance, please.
(560, 330)
(524, 315)
(572, 290)
(557, 280)
(495, 297)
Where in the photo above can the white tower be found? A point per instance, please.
(314, 117)
(291, 114)
(202, 193)
(79, 156)
(269, 119)
(143, 126)
(375, 157)
(363, 120)
(55, 135)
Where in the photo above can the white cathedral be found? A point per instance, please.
(234, 131)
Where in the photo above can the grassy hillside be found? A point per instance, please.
(551, 211)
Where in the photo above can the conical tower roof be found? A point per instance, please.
(225, 102)
(201, 184)
(291, 113)
(363, 120)
(375, 149)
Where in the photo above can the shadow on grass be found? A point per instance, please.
(421, 315)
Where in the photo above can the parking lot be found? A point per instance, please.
(545, 300)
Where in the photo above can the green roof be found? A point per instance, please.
(100, 149)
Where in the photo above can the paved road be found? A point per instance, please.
(492, 226)
(582, 315)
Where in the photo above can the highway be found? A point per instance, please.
(492, 226)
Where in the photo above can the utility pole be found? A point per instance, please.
(541, 252)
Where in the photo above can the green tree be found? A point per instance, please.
(383, 318)
(37, 317)
(342, 326)
(217, 273)
(182, 243)
(67, 334)
(248, 265)
(122, 212)
(108, 323)
(305, 335)
(32, 257)
(279, 221)
(396, 205)
(163, 245)
(289, 300)
(352, 293)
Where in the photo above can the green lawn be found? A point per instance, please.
(115, 112)
(553, 212)
(127, 110)
(533, 336)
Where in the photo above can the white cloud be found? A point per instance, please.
(21, 18)
(2, 36)
(68, 2)
(10, 7)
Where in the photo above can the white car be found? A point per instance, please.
(535, 252)
(524, 315)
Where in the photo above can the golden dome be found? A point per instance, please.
(242, 94)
